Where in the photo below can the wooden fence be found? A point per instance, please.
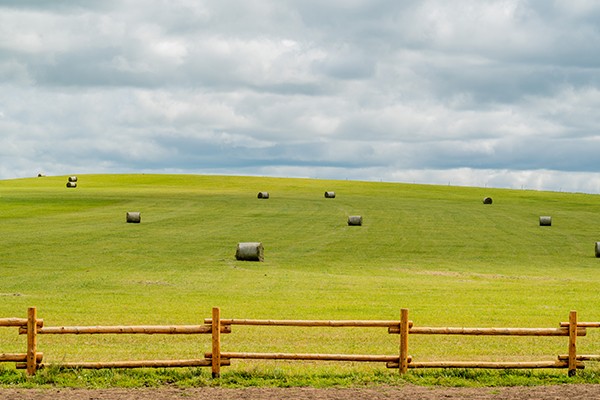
(32, 360)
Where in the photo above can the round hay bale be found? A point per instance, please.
(72, 179)
(597, 249)
(71, 184)
(263, 195)
(355, 220)
(545, 221)
(249, 251)
(330, 195)
(487, 200)
(134, 217)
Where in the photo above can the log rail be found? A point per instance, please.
(32, 327)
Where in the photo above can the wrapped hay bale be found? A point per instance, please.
(545, 221)
(597, 249)
(487, 200)
(71, 184)
(263, 195)
(134, 217)
(249, 251)
(72, 179)
(355, 220)
(330, 195)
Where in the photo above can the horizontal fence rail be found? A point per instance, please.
(491, 331)
(129, 364)
(307, 357)
(32, 360)
(309, 323)
(489, 365)
(18, 322)
(126, 330)
(583, 324)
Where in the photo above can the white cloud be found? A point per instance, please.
(499, 93)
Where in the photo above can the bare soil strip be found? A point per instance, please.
(571, 392)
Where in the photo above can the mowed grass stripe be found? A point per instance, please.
(434, 249)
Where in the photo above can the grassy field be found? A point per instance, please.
(436, 250)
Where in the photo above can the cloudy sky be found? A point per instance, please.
(496, 93)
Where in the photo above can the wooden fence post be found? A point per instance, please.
(572, 343)
(404, 327)
(31, 340)
(216, 342)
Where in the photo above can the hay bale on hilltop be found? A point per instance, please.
(330, 195)
(72, 179)
(487, 200)
(134, 217)
(249, 251)
(263, 195)
(71, 184)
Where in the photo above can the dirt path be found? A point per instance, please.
(570, 392)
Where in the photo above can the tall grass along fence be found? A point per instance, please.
(32, 360)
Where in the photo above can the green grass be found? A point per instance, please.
(276, 377)
(436, 250)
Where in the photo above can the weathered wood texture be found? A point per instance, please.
(404, 332)
(19, 357)
(130, 364)
(216, 343)
(310, 323)
(306, 357)
(31, 360)
(572, 343)
(492, 365)
(18, 322)
(127, 330)
(582, 324)
(492, 331)
(581, 357)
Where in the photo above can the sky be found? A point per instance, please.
(486, 93)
